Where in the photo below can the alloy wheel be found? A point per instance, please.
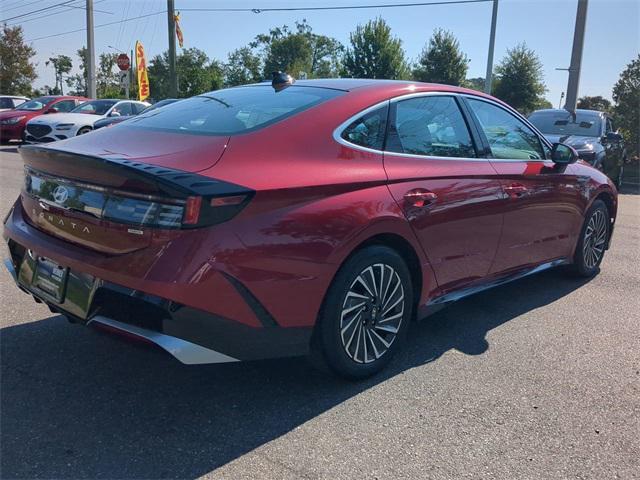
(595, 237)
(372, 313)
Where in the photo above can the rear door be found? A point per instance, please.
(540, 198)
(451, 197)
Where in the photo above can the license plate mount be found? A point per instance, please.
(50, 278)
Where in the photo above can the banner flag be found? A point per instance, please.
(141, 67)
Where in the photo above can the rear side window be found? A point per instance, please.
(430, 125)
(6, 102)
(368, 130)
(234, 110)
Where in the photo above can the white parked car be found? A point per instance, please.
(80, 120)
(9, 102)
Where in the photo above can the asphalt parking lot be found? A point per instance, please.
(539, 379)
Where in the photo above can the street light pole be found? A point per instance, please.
(576, 57)
(173, 84)
(492, 43)
(91, 53)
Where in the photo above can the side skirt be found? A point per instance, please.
(465, 292)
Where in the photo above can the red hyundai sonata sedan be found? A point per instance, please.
(318, 219)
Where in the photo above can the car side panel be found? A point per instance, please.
(460, 231)
(543, 220)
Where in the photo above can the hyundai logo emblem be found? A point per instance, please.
(60, 194)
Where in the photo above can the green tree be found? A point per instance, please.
(17, 72)
(299, 50)
(442, 61)
(62, 65)
(375, 53)
(78, 82)
(475, 83)
(196, 74)
(626, 95)
(107, 85)
(520, 79)
(243, 66)
(594, 103)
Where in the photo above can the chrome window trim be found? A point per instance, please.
(337, 133)
(516, 114)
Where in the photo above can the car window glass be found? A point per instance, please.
(95, 107)
(610, 127)
(122, 109)
(430, 125)
(562, 122)
(36, 103)
(233, 110)
(509, 137)
(65, 106)
(137, 108)
(368, 130)
(6, 102)
(18, 101)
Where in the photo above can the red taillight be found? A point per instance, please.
(192, 210)
(228, 201)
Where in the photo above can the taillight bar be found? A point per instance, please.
(136, 208)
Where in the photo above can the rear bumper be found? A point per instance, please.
(191, 334)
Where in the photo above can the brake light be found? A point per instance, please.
(192, 210)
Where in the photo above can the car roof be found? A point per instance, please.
(555, 111)
(350, 84)
(14, 96)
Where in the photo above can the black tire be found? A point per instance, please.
(83, 130)
(595, 235)
(342, 317)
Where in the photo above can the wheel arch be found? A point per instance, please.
(400, 245)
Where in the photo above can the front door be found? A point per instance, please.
(541, 203)
(451, 197)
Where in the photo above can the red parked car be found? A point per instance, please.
(13, 122)
(318, 218)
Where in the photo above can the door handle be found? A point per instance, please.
(420, 197)
(516, 190)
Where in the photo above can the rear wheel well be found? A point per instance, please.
(406, 251)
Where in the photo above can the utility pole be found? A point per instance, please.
(576, 57)
(492, 43)
(173, 84)
(91, 53)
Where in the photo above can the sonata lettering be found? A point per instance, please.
(61, 222)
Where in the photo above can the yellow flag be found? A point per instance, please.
(141, 67)
(176, 17)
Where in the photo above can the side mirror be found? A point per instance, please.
(613, 137)
(115, 113)
(563, 154)
(51, 110)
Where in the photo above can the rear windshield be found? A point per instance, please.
(36, 103)
(233, 111)
(562, 123)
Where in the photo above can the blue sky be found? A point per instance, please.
(612, 36)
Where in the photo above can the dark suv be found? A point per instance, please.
(591, 133)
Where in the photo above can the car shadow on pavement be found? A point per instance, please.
(78, 403)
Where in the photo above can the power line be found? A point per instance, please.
(97, 26)
(5, 10)
(274, 9)
(335, 7)
(66, 8)
(38, 10)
